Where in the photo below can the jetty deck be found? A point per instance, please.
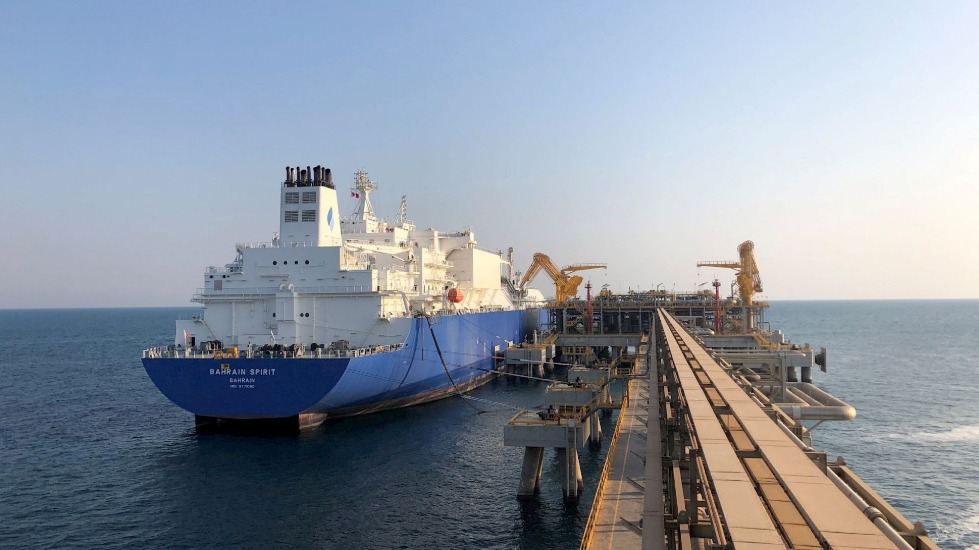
(700, 459)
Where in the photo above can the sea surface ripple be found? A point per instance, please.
(94, 456)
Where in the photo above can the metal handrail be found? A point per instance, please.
(165, 352)
(593, 514)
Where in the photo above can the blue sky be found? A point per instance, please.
(139, 141)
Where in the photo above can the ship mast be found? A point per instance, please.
(361, 190)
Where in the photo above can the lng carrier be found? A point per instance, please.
(339, 316)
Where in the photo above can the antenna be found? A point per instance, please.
(403, 211)
(361, 190)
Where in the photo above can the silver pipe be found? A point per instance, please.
(799, 394)
(747, 373)
(806, 401)
(795, 439)
(818, 393)
(791, 398)
(872, 513)
(807, 412)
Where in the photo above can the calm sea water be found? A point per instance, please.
(93, 455)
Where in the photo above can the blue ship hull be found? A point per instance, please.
(270, 388)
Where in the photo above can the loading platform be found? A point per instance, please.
(700, 458)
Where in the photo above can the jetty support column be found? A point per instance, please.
(538, 430)
(572, 483)
(594, 431)
(529, 360)
(533, 464)
(538, 370)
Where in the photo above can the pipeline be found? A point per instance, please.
(801, 396)
(795, 439)
(872, 513)
(805, 401)
(748, 374)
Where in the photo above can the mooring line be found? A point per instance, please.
(445, 367)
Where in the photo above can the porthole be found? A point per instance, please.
(273, 315)
(307, 262)
(296, 262)
(275, 262)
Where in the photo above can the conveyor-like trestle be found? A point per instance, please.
(721, 472)
(745, 477)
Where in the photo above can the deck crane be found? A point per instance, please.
(748, 278)
(565, 286)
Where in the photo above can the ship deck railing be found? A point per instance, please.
(230, 268)
(278, 244)
(269, 292)
(171, 352)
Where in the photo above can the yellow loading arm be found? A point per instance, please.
(565, 286)
(571, 287)
(541, 261)
(748, 277)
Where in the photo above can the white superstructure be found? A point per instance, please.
(359, 279)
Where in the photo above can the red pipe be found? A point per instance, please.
(588, 308)
(717, 306)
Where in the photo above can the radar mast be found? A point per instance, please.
(361, 190)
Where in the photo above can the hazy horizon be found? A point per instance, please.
(142, 141)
